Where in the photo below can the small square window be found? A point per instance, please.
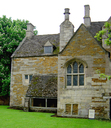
(47, 49)
(28, 79)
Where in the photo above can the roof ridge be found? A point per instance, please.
(48, 34)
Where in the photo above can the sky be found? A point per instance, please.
(47, 15)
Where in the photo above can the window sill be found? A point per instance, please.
(75, 87)
(43, 107)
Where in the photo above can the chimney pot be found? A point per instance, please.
(66, 13)
(87, 19)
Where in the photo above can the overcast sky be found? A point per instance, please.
(47, 15)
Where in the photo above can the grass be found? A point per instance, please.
(10, 118)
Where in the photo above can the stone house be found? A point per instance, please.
(57, 72)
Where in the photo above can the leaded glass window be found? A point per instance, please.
(69, 69)
(75, 74)
(75, 80)
(81, 80)
(75, 67)
(68, 80)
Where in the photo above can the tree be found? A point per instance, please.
(12, 33)
(107, 32)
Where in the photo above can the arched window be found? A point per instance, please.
(75, 74)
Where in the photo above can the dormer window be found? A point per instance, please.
(48, 48)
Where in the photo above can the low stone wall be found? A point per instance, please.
(49, 110)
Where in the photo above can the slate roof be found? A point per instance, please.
(95, 27)
(35, 46)
(43, 86)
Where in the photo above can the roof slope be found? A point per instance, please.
(43, 86)
(35, 46)
(79, 44)
(95, 27)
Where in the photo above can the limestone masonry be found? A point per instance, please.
(58, 72)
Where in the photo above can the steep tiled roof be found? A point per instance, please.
(43, 86)
(35, 46)
(95, 27)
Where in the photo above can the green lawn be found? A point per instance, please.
(10, 118)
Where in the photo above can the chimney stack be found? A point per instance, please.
(87, 19)
(29, 32)
(66, 30)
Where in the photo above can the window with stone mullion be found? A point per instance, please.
(75, 74)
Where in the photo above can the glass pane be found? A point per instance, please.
(81, 69)
(75, 67)
(26, 76)
(75, 79)
(38, 102)
(69, 80)
(30, 78)
(69, 69)
(81, 80)
(47, 49)
(51, 103)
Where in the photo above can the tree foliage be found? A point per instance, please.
(107, 32)
(12, 33)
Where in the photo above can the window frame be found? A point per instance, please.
(47, 102)
(29, 81)
(78, 74)
(51, 49)
(71, 112)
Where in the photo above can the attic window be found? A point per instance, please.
(48, 49)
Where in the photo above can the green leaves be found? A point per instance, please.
(12, 33)
(106, 32)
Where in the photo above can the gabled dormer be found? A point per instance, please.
(48, 48)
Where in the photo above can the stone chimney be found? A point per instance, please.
(29, 32)
(66, 30)
(66, 13)
(87, 19)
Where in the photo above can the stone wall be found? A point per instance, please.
(29, 65)
(84, 48)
